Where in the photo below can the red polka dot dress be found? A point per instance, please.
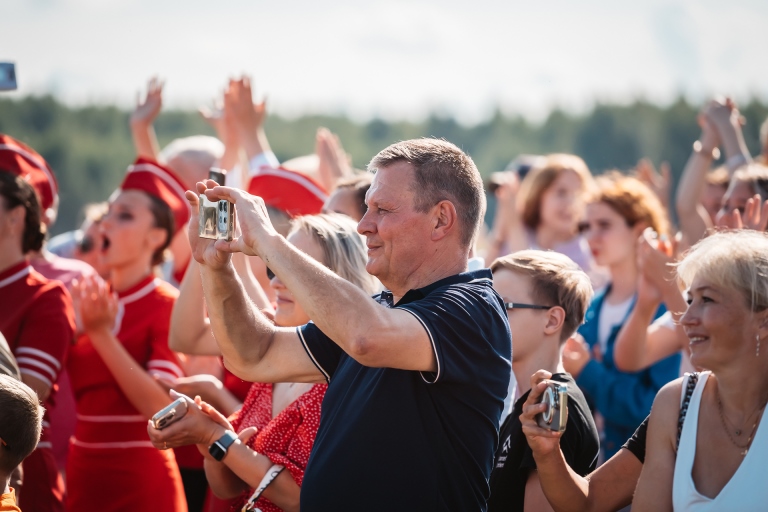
(286, 439)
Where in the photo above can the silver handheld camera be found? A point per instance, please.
(171, 413)
(217, 218)
(556, 415)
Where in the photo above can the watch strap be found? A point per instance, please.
(219, 449)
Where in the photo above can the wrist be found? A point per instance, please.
(706, 149)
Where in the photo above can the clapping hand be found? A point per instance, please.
(658, 181)
(95, 303)
(148, 108)
(755, 216)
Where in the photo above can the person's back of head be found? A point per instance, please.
(192, 157)
(21, 423)
(556, 280)
(442, 171)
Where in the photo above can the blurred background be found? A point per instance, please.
(610, 81)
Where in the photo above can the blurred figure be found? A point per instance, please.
(748, 182)
(723, 442)
(37, 319)
(19, 433)
(621, 208)
(543, 211)
(113, 366)
(348, 198)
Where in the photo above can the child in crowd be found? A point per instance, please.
(546, 296)
(20, 428)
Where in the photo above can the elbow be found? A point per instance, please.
(364, 350)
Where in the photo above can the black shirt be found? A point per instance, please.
(636, 443)
(406, 440)
(514, 458)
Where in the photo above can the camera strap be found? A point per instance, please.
(269, 477)
(692, 379)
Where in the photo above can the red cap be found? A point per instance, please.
(24, 161)
(289, 191)
(160, 182)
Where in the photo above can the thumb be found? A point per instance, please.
(247, 434)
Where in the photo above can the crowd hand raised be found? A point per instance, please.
(95, 304)
(655, 258)
(755, 216)
(195, 427)
(660, 182)
(541, 440)
(247, 115)
(334, 163)
(148, 107)
(722, 112)
(216, 119)
(576, 355)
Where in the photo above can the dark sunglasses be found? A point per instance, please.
(518, 305)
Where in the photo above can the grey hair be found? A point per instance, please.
(343, 248)
(733, 260)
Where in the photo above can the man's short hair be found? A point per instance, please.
(22, 418)
(441, 172)
(555, 281)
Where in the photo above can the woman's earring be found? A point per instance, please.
(757, 352)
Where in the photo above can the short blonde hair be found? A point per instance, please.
(632, 199)
(555, 281)
(736, 260)
(343, 248)
(539, 179)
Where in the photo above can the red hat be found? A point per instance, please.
(289, 191)
(24, 161)
(160, 182)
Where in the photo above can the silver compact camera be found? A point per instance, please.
(556, 415)
(171, 413)
(217, 218)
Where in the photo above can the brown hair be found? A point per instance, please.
(539, 179)
(359, 184)
(21, 424)
(17, 192)
(441, 172)
(718, 177)
(163, 216)
(555, 281)
(632, 199)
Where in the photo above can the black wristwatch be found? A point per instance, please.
(219, 449)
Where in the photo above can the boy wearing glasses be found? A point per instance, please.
(546, 295)
(22, 421)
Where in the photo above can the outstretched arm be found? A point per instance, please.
(144, 138)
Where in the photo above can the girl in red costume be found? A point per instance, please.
(112, 465)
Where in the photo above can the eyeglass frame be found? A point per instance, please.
(519, 305)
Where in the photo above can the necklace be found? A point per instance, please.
(745, 447)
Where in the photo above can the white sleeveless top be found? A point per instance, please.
(746, 491)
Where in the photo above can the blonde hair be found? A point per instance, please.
(539, 179)
(755, 176)
(555, 281)
(343, 248)
(632, 199)
(733, 260)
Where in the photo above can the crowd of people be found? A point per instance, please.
(362, 341)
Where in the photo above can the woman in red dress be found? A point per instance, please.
(278, 422)
(112, 465)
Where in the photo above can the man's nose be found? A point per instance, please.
(366, 224)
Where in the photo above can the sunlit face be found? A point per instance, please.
(128, 230)
(735, 198)
(562, 203)
(395, 232)
(289, 313)
(719, 325)
(344, 201)
(611, 240)
(526, 325)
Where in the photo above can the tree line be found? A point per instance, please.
(90, 147)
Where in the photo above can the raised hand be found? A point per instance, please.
(148, 107)
(96, 304)
(755, 216)
(660, 182)
(655, 259)
(203, 249)
(541, 440)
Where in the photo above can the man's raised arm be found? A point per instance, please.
(253, 348)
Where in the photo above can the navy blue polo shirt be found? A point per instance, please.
(407, 440)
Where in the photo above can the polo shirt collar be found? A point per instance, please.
(420, 293)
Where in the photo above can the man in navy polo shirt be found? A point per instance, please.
(418, 376)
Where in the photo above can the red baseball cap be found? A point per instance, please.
(24, 161)
(289, 191)
(160, 182)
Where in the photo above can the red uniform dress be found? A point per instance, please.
(112, 465)
(286, 439)
(38, 321)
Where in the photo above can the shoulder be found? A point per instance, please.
(666, 409)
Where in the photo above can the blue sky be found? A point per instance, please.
(394, 58)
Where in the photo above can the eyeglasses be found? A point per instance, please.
(519, 305)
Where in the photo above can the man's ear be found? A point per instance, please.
(555, 320)
(445, 219)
